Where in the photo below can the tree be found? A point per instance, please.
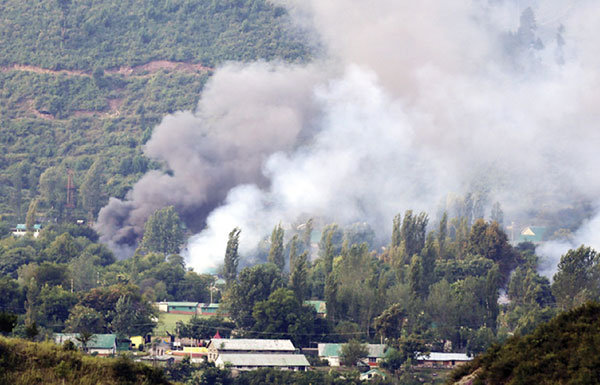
(85, 319)
(231, 256)
(254, 284)
(84, 338)
(497, 214)
(283, 316)
(31, 216)
(132, 317)
(578, 278)
(352, 352)
(163, 232)
(63, 249)
(91, 189)
(299, 276)
(390, 323)
(276, 251)
(8, 321)
(413, 232)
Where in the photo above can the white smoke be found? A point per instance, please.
(409, 102)
(435, 97)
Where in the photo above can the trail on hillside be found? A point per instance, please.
(143, 70)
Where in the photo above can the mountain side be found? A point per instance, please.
(23, 362)
(565, 350)
(86, 80)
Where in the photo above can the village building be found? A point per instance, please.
(533, 234)
(253, 361)
(219, 346)
(331, 353)
(101, 344)
(438, 359)
(182, 307)
(21, 229)
(319, 306)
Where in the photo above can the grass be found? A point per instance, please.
(167, 321)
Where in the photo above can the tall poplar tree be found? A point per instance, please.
(276, 251)
(231, 256)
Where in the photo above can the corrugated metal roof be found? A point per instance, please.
(438, 356)
(263, 359)
(253, 344)
(319, 306)
(333, 350)
(98, 341)
(183, 304)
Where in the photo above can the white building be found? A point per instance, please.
(252, 361)
(240, 346)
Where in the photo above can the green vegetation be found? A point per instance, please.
(167, 322)
(28, 363)
(88, 80)
(562, 351)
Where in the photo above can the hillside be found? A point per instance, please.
(562, 351)
(88, 80)
(23, 362)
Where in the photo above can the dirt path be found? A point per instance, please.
(137, 71)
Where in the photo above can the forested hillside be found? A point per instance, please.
(562, 351)
(86, 81)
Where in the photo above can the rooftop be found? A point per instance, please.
(253, 345)
(333, 350)
(263, 359)
(438, 356)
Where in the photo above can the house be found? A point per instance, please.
(252, 361)
(21, 229)
(101, 344)
(208, 309)
(371, 374)
(331, 353)
(534, 234)
(319, 306)
(182, 307)
(438, 359)
(217, 347)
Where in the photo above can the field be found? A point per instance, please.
(167, 321)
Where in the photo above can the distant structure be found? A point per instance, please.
(534, 234)
(70, 190)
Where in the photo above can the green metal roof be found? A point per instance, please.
(329, 350)
(182, 304)
(319, 306)
(532, 234)
(98, 341)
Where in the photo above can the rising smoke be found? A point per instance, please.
(410, 102)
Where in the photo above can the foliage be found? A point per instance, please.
(163, 232)
(276, 251)
(204, 328)
(352, 352)
(562, 351)
(231, 256)
(254, 284)
(283, 316)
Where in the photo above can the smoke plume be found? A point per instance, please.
(408, 103)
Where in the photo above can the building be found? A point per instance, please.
(319, 306)
(101, 344)
(182, 307)
(438, 359)
(21, 229)
(331, 353)
(371, 374)
(252, 361)
(220, 346)
(534, 234)
(208, 309)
